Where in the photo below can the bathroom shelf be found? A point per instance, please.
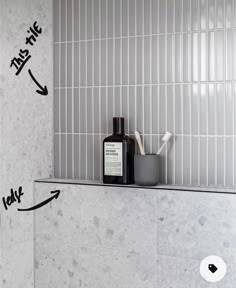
(158, 187)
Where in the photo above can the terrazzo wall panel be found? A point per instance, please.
(112, 237)
(163, 65)
(25, 131)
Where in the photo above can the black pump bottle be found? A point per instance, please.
(118, 156)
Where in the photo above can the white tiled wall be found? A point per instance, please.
(163, 65)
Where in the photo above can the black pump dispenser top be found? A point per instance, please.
(118, 125)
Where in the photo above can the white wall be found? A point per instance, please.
(25, 132)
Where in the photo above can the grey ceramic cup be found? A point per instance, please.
(146, 169)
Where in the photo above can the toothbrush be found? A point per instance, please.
(165, 138)
(138, 139)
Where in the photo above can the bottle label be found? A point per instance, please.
(113, 159)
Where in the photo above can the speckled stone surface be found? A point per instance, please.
(25, 131)
(98, 236)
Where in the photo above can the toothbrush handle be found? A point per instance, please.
(141, 147)
(162, 146)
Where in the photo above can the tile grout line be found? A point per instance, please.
(150, 89)
(166, 110)
(182, 91)
(199, 94)
(121, 64)
(100, 110)
(93, 168)
(143, 69)
(86, 93)
(66, 81)
(114, 79)
(233, 93)
(207, 96)
(135, 67)
(216, 103)
(79, 96)
(224, 73)
(190, 108)
(60, 91)
(128, 59)
(174, 94)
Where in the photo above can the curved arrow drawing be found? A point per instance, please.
(43, 90)
(56, 192)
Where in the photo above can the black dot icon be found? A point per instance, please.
(212, 268)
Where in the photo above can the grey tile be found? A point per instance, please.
(162, 16)
(57, 155)
(90, 18)
(229, 162)
(229, 54)
(139, 60)
(220, 161)
(132, 124)
(110, 62)
(132, 17)
(203, 161)
(147, 60)
(186, 15)
(219, 14)
(96, 71)
(203, 14)
(155, 19)
(98, 158)
(70, 156)
(125, 59)
(162, 52)
(124, 15)
(212, 161)
(104, 110)
(195, 109)
(118, 62)
(170, 161)
(77, 159)
(63, 156)
(111, 108)
(147, 16)
(63, 110)
(82, 19)
(195, 57)
(83, 47)
(229, 13)
(139, 109)
(76, 71)
(229, 109)
(170, 60)
(69, 107)
(195, 160)
(56, 110)
(147, 109)
(155, 61)
(220, 109)
(125, 107)
(155, 109)
(179, 160)
(63, 21)
(82, 111)
(76, 108)
(211, 14)
(186, 160)
(89, 63)
(132, 61)
(186, 109)
(194, 15)
(104, 18)
(178, 110)
(162, 109)
(95, 110)
(178, 15)
(219, 55)
(117, 16)
(76, 20)
(170, 17)
(56, 17)
(211, 109)
(69, 71)
(212, 55)
(203, 63)
(110, 18)
(203, 109)
(170, 109)
(69, 20)
(90, 112)
(96, 18)
(117, 103)
(63, 65)
(83, 156)
(90, 156)
(178, 58)
(139, 17)
(103, 74)
(56, 65)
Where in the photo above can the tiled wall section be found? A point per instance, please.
(163, 65)
(112, 237)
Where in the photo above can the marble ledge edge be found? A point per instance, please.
(179, 188)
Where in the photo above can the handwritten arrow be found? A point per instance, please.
(56, 192)
(43, 90)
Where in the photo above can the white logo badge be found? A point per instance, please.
(213, 268)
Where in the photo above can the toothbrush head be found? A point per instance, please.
(167, 136)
